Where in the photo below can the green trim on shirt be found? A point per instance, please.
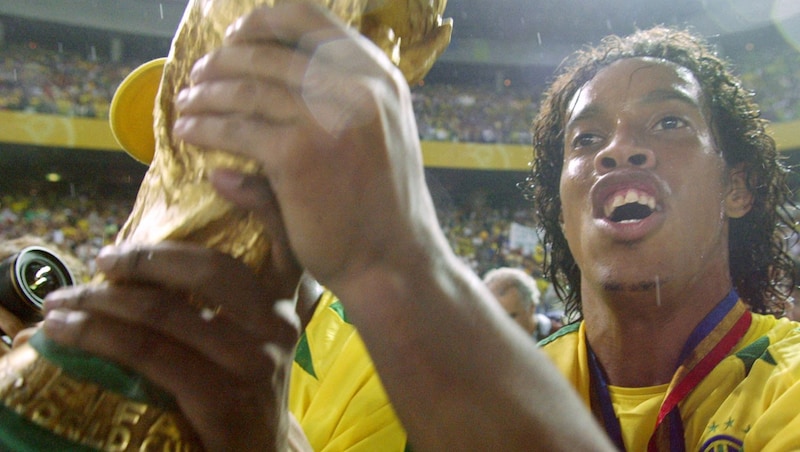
(571, 328)
(302, 356)
(339, 309)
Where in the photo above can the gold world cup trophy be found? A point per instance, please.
(62, 399)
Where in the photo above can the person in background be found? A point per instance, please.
(651, 173)
(518, 293)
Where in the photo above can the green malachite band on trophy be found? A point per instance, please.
(21, 435)
(85, 367)
(83, 403)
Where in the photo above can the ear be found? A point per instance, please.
(739, 199)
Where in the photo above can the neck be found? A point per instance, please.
(638, 336)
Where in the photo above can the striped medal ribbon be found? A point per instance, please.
(709, 343)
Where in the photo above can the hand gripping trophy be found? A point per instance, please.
(60, 399)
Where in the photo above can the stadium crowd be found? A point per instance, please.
(471, 115)
(479, 232)
(45, 81)
(49, 81)
(774, 80)
(80, 225)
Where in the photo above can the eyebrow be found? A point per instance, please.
(588, 112)
(653, 97)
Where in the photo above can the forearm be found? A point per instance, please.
(458, 373)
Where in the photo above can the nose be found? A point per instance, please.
(622, 152)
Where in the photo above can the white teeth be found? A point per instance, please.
(629, 197)
(618, 201)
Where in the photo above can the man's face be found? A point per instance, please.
(511, 300)
(642, 186)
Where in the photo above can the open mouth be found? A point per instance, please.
(629, 206)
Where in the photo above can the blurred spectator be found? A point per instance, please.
(518, 293)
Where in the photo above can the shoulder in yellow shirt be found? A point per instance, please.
(335, 392)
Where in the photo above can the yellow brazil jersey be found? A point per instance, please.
(748, 402)
(335, 392)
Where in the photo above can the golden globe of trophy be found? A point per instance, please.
(54, 398)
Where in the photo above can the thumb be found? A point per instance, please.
(248, 191)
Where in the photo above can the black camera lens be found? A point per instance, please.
(27, 277)
(41, 278)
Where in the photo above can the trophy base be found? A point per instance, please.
(54, 398)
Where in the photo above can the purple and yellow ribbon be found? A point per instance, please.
(710, 342)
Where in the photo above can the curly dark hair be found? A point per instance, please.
(761, 269)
